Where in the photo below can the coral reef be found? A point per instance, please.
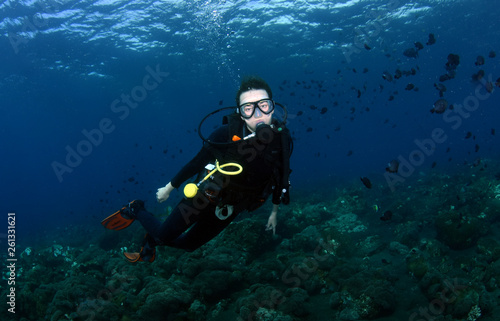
(333, 259)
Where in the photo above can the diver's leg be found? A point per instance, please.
(179, 220)
(207, 227)
(150, 223)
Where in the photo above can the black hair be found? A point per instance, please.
(252, 83)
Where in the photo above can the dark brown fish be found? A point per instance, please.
(411, 53)
(440, 87)
(366, 182)
(453, 61)
(479, 61)
(439, 106)
(419, 45)
(468, 135)
(367, 47)
(387, 216)
(478, 76)
(387, 76)
(489, 86)
(445, 77)
(410, 86)
(392, 167)
(432, 39)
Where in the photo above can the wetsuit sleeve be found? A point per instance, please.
(192, 168)
(199, 162)
(281, 189)
(276, 195)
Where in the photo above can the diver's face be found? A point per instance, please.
(258, 117)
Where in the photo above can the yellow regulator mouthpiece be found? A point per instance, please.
(190, 190)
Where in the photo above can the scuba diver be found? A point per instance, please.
(240, 165)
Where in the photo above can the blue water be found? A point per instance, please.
(64, 63)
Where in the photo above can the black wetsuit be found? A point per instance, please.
(193, 222)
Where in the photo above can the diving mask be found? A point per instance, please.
(247, 110)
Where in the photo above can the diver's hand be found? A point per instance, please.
(273, 220)
(164, 192)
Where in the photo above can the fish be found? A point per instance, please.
(411, 53)
(387, 76)
(492, 54)
(367, 47)
(392, 166)
(419, 45)
(387, 216)
(349, 153)
(478, 76)
(445, 77)
(431, 40)
(453, 61)
(489, 86)
(221, 102)
(468, 135)
(439, 106)
(433, 164)
(366, 181)
(323, 110)
(497, 83)
(410, 86)
(493, 131)
(479, 61)
(476, 148)
(440, 87)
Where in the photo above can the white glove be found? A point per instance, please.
(163, 193)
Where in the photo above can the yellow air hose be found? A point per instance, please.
(191, 189)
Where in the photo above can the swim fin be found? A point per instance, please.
(147, 253)
(124, 217)
(117, 221)
(140, 257)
